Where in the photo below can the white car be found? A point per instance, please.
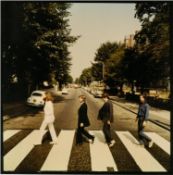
(64, 91)
(36, 99)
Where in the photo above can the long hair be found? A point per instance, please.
(49, 96)
(83, 97)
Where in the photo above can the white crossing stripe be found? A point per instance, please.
(9, 133)
(16, 155)
(58, 157)
(142, 157)
(101, 157)
(160, 141)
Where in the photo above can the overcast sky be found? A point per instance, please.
(98, 23)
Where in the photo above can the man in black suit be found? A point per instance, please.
(106, 115)
(83, 122)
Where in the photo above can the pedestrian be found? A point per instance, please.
(106, 116)
(48, 121)
(83, 121)
(142, 118)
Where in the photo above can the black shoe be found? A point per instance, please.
(92, 140)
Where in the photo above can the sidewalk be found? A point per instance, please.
(165, 114)
(9, 106)
(13, 109)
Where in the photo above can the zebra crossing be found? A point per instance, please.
(126, 155)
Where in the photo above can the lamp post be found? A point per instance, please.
(103, 70)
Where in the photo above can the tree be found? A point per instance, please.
(114, 68)
(77, 81)
(68, 79)
(37, 47)
(97, 71)
(103, 53)
(152, 41)
(12, 37)
(86, 77)
(52, 36)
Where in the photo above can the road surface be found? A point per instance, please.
(19, 134)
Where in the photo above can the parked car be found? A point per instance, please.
(36, 99)
(64, 91)
(98, 93)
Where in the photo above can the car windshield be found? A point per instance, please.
(37, 94)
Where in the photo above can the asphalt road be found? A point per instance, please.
(80, 157)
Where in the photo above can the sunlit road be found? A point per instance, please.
(19, 134)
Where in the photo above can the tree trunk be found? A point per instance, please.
(60, 85)
(132, 88)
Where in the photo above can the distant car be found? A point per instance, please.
(98, 93)
(64, 91)
(36, 99)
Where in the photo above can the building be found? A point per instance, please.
(129, 41)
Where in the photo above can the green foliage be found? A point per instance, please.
(147, 62)
(105, 50)
(97, 71)
(86, 76)
(114, 74)
(153, 38)
(35, 41)
(103, 54)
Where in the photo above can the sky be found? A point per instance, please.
(98, 23)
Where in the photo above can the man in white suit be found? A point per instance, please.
(49, 118)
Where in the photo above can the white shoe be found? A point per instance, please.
(91, 140)
(150, 144)
(36, 144)
(112, 143)
(53, 142)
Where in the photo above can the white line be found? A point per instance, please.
(9, 133)
(58, 157)
(160, 141)
(15, 156)
(101, 157)
(141, 156)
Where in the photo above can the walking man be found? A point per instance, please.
(48, 120)
(106, 115)
(142, 117)
(83, 122)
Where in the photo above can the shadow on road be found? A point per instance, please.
(99, 136)
(131, 139)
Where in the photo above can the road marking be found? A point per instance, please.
(9, 133)
(16, 155)
(58, 157)
(160, 141)
(101, 157)
(142, 157)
